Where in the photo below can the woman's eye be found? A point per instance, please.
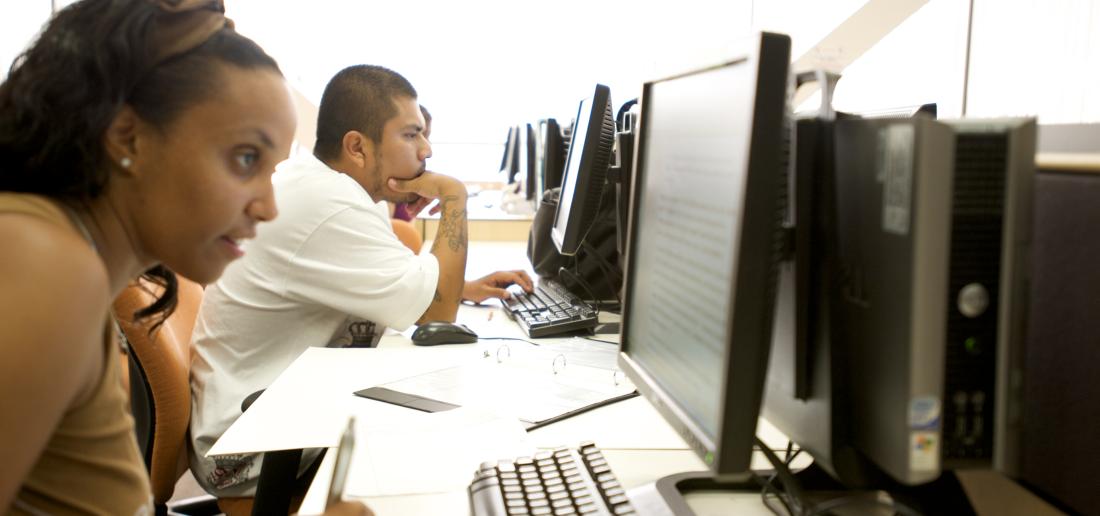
(246, 159)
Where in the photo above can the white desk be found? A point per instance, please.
(308, 404)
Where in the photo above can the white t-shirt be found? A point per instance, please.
(328, 262)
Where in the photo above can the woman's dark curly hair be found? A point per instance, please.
(63, 92)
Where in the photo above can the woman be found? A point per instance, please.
(133, 134)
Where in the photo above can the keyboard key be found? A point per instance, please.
(539, 303)
(617, 499)
(564, 511)
(623, 509)
(588, 508)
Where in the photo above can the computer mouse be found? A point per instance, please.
(439, 332)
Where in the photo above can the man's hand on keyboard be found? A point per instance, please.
(494, 285)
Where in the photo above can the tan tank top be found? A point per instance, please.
(91, 464)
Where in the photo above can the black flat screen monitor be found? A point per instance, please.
(704, 223)
(585, 171)
(510, 164)
(554, 152)
(506, 157)
(531, 164)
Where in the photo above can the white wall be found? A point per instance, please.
(483, 65)
(19, 24)
(1033, 57)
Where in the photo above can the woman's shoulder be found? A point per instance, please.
(43, 253)
(58, 286)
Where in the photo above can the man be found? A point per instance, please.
(329, 269)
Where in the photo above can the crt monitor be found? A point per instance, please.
(585, 171)
(703, 233)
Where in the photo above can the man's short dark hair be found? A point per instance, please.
(358, 98)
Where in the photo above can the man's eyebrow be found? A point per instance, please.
(416, 127)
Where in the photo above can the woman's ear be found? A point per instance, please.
(358, 148)
(121, 138)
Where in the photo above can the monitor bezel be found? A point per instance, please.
(749, 330)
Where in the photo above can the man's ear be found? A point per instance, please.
(121, 139)
(358, 148)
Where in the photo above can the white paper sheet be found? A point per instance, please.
(533, 385)
(438, 454)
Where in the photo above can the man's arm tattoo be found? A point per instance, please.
(452, 224)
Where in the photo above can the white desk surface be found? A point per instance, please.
(308, 405)
(638, 443)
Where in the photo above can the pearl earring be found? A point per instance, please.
(125, 162)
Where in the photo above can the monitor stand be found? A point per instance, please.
(669, 496)
(610, 328)
(666, 496)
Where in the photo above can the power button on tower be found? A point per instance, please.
(973, 300)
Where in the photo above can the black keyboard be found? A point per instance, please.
(562, 482)
(549, 310)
